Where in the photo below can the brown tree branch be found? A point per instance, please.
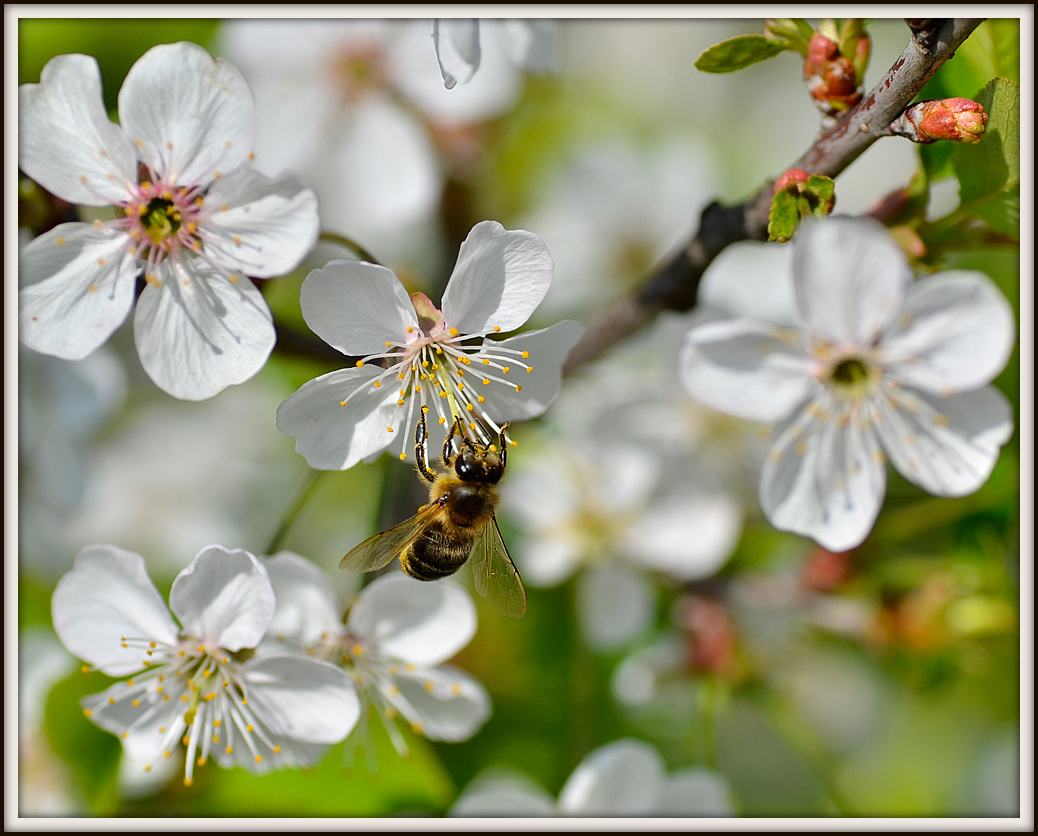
(675, 284)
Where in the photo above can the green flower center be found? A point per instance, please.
(161, 220)
(850, 372)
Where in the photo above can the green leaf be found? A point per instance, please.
(738, 53)
(990, 170)
(1001, 212)
(784, 215)
(819, 191)
(91, 754)
(991, 51)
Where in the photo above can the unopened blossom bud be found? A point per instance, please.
(957, 120)
(796, 180)
(833, 78)
(790, 178)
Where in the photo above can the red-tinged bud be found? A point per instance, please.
(824, 570)
(711, 635)
(790, 178)
(830, 76)
(955, 120)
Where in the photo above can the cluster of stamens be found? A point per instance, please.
(213, 701)
(444, 376)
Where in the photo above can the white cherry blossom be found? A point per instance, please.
(200, 683)
(191, 217)
(416, 356)
(624, 778)
(877, 368)
(394, 642)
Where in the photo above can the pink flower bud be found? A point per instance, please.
(790, 178)
(956, 120)
(830, 76)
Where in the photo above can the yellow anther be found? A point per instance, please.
(248, 727)
(454, 332)
(486, 380)
(165, 754)
(481, 399)
(429, 687)
(425, 410)
(455, 688)
(775, 455)
(469, 407)
(417, 727)
(88, 712)
(234, 278)
(84, 669)
(129, 682)
(506, 369)
(359, 363)
(342, 403)
(147, 767)
(442, 421)
(187, 781)
(201, 648)
(393, 691)
(529, 368)
(403, 456)
(59, 240)
(217, 723)
(259, 758)
(460, 372)
(358, 650)
(201, 761)
(111, 700)
(229, 750)
(277, 749)
(377, 384)
(388, 344)
(410, 330)
(390, 712)
(518, 388)
(389, 429)
(940, 420)
(526, 354)
(497, 327)
(135, 703)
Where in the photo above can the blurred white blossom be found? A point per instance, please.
(190, 216)
(459, 45)
(355, 107)
(201, 681)
(416, 356)
(624, 778)
(394, 641)
(878, 367)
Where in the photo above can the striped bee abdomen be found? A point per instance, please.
(433, 555)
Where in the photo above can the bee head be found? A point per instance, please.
(473, 465)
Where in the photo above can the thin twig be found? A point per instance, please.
(675, 284)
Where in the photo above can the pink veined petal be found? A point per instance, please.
(357, 307)
(106, 599)
(301, 699)
(621, 778)
(500, 278)
(198, 332)
(306, 604)
(259, 226)
(445, 702)
(747, 368)
(955, 332)
(850, 279)
(224, 598)
(340, 418)
(66, 142)
(77, 288)
(457, 48)
(947, 446)
(548, 349)
(191, 115)
(824, 477)
(413, 621)
(615, 603)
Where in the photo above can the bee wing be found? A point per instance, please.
(379, 550)
(495, 575)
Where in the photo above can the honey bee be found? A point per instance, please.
(456, 524)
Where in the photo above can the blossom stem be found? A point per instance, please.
(290, 515)
(350, 244)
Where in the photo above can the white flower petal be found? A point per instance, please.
(301, 698)
(414, 621)
(339, 419)
(824, 481)
(267, 227)
(532, 43)
(548, 349)
(619, 779)
(457, 48)
(850, 279)
(444, 703)
(197, 332)
(306, 605)
(752, 279)
(547, 560)
(500, 278)
(747, 368)
(66, 142)
(955, 332)
(357, 307)
(291, 754)
(501, 795)
(77, 288)
(947, 446)
(694, 792)
(688, 537)
(145, 729)
(224, 598)
(192, 114)
(104, 600)
(615, 604)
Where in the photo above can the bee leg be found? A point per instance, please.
(448, 444)
(503, 440)
(421, 433)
